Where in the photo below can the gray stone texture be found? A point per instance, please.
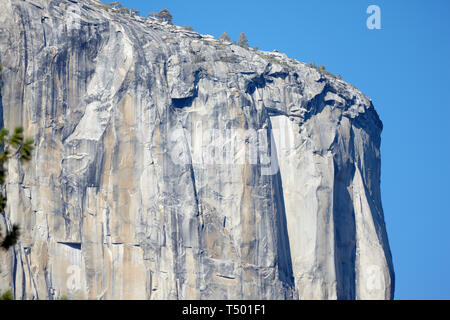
(171, 165)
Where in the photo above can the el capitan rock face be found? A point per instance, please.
(170, 165)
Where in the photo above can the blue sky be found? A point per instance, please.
(404, 68)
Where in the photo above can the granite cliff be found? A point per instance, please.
(172, 165)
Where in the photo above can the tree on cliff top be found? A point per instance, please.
(225, 37)
(115, 4)
(163, 15)
(243, 41)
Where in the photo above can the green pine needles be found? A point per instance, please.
(15, 146)
(7, 295)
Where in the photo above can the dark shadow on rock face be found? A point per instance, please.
(284, 251)
(345, 233)
(257, 82)
(73, 245)
(184, 102)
